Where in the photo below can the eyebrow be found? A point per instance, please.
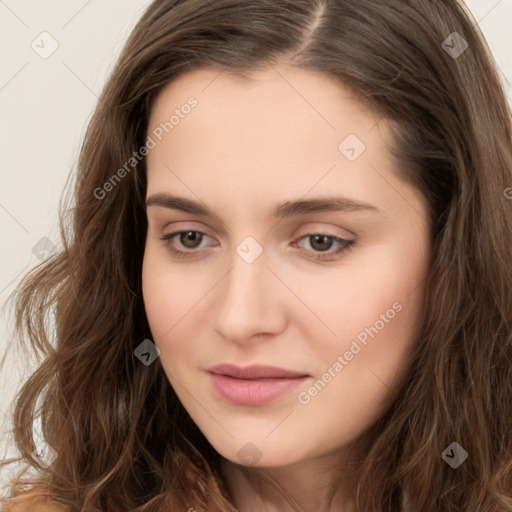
(287, 209)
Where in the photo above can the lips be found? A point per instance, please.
(254, 385)
(254, 372)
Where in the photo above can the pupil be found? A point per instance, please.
(324, 246)
(189, 237)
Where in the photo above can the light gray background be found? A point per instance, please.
(45, 107)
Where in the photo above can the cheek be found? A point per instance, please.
(176, 305)
(168, 294)
(356, 371)
(372, 312)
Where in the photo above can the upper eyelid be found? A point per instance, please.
(310, 230)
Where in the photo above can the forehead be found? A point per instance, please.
(281, 87)
(282, 112)
(279, 135)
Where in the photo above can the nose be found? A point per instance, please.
(251, 300)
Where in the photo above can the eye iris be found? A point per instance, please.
(192, 239)
(190, 236)
(323, 246)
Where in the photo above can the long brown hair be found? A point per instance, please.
(124, 441)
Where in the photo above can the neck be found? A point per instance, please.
(317, 485)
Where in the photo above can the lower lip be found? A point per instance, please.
(253, 392)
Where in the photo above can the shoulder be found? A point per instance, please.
(34, 500)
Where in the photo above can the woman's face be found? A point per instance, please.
(290, 272)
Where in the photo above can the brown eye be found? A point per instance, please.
(320, 245)
(321, 242)
(190, 239)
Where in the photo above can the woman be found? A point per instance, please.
(339, 337)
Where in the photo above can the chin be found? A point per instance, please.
(260, 454)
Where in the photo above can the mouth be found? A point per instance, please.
(253, 385)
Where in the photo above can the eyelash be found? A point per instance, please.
(347, 245)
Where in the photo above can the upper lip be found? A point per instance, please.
(254, 372)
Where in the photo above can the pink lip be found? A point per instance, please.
(254, 385)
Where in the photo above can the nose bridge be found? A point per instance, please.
(248, 276)
(247, 298)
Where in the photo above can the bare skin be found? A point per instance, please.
(247, 147)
